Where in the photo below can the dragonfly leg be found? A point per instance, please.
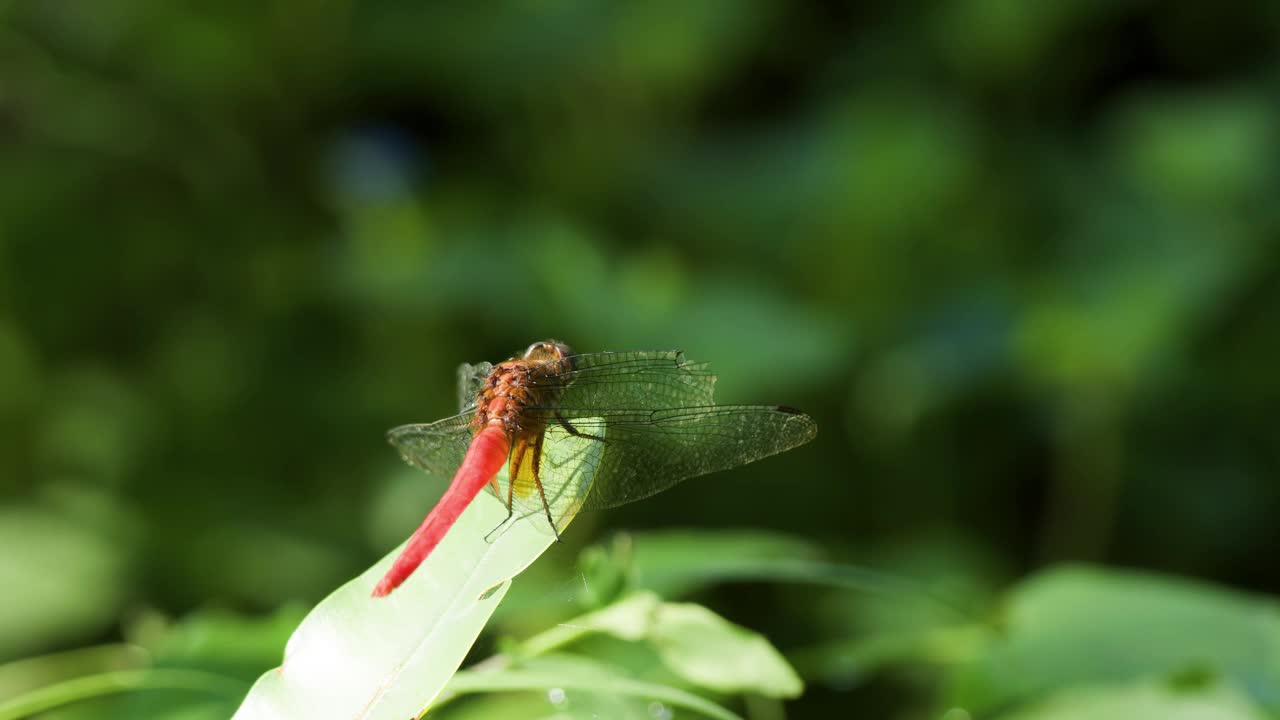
(510, 511)
(489, 536)
(537, 459)
(518, 458)
(547, 508)
(574, 431)
(511, 487)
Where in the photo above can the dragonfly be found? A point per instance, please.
(647, 418)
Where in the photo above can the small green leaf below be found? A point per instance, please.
(712, 652)
(628, 619)
(698, 645)
(582, 675)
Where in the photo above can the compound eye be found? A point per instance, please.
(547, 350)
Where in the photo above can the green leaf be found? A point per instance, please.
(699, 646)
(533, 705)
(583, 675)
(1081, 626)
(628, 619)
(360, 657)
(712, 652)
(1144, 701)
(22, 676)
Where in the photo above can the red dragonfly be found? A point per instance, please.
(651, 413)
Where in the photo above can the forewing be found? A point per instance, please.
(647, 451)
(438, 447)
(582, 385)
(471, 379)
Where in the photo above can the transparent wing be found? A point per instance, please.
(471, 379)
(567, 463)
(438, 447)
(581, 385)
(646, 451)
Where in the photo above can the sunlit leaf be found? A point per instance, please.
(361, 657)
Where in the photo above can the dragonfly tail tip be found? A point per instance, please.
(383, 588)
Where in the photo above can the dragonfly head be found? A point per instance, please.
(546, 351)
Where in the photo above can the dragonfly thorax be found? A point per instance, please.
(510, 389)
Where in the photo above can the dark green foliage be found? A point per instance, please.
(1017, 259)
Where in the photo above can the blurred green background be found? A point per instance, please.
(1017, 258)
